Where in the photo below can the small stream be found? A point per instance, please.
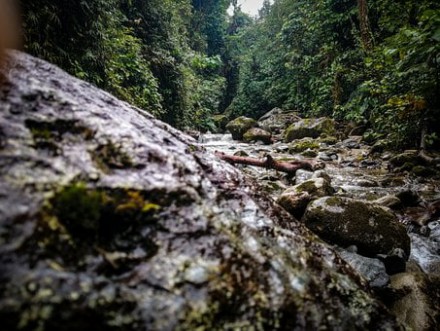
(354, 174)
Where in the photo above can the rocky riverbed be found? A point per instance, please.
(379, 208)
(113, 220)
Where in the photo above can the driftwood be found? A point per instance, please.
(268, 162)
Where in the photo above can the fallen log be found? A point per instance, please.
(269, 163)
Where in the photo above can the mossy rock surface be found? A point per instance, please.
(310, 127)
(257, 134)
(174, 239)
(277, 120)
(371, 228)
(301, 145)
(239, 126)
(295, 199)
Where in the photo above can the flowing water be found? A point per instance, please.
(355, 174)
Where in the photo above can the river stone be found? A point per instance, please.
(343, 221)
(310, 127)
(373, 270)
(113, 220)
(301, 145)
(239, 126)
(295, 199)
(301, 175)
(278, 120)
(257, 134)
(425, 250)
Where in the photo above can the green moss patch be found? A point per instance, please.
(111, 156)
(80, 220)
(47, 134)
(46, 130)
(302, 145)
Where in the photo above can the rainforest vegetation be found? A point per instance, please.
(373, 62)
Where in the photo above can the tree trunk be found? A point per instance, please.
(364, 26)
(269, 163)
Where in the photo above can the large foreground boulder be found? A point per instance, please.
(373, 229)
(112, 220)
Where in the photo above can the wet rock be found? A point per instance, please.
(239, 126)
(311, 127)
(281, 148)
(296, 198)
(425, 250)
(302, 175)
(328, 156)
(322, 174)
(277, 120)
(164, 237)
(302, 145)
(417, 306)
(342, 221)
(294, 202)
(390, 201)
(373, 270)
(352, 142)
(257, 134)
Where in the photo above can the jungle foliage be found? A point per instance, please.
(161, 55)
(373, 62)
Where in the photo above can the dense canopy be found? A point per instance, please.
(375, 62)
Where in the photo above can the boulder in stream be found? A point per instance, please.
(277, 120)
(239, 126)
(113, 220)
(371, 228)
(301, 145)
(257, 134)
(372, 269)
(295, 199)
(310, 127)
